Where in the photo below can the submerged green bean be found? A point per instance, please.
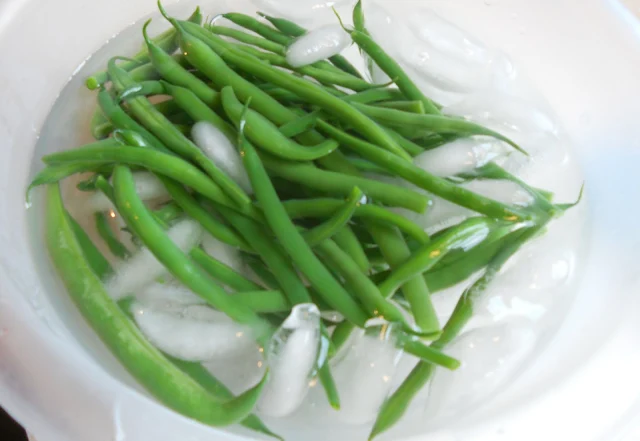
(162, 379)
(267, 136)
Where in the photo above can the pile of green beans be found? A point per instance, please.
(315, 229)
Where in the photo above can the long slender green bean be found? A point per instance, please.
(396, 253)
(223, 273)
(348, 242)
(157, 162)
(106, 233)
(397, 404)
(171, 136)
(465, 235)
(213, 226)
(141, 221)
(336, 222)
(314, 208)
(266, 135)
(143, 361)
(170, 70)
(339, 184)
(311, 92)
(425, 180)
(439, 124)
(293, 242)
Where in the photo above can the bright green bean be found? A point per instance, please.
(299, 126)
(396, 252)
(397, 404)
(106, 233)
(305, 89)
(162, 379)
(213, 226)
(246, 38)
(171, 136)
(223, 273)
(348, 242)
(313, 208)
(336, 222)
(293, 242)
(264, 302)
(442, 125)
(425, 180)
(266, 135)
(157, 162)
(405, 106)
(466, 235)
(339, 184)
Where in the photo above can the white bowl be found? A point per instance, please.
(59, 381)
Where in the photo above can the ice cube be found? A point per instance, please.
(292, 357)
(192, 333)
(318, 44)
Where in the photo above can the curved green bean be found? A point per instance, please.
(213, 226)
(312, 208)
(293, 242)
(157, 162)
(162, 379)
(340, 184)
(173, 138)
(266, 135)
(425, 180)
(465, 235)
(336, 222)
(305, 89)
(439, 124)
(106, 233)
(396, 252)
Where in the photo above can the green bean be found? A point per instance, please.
(213, 226)
(360, 285)
(100, 266)
(336, 222)
(293, 242)
(397, 404)
(223, 273)
(104, 230)
(176, 141)
(267, 136)
(323, 76)
(293, 30)
(358, 17)
(170, 70)
(100, 126)
(348, 242)
(263, 273)
(162, 379)
(368, 167)
(395, 251)
(405, 106)
(442, 125)
(305, 89)
(140, 220)
(465, 235)
(122, 121)
(306, 208)
(340, 184)
(55, 173)
(157, 162)
(429, 354)
(409, 146)
(389, 66)
(425, 180)
(264, 302)
(243, 37)
(341, 334)
(254, 25)
(283, 271)
(377, 95)
(299, 126)
(328, 383)
(209, 62)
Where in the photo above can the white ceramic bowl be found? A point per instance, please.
(59, 381)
